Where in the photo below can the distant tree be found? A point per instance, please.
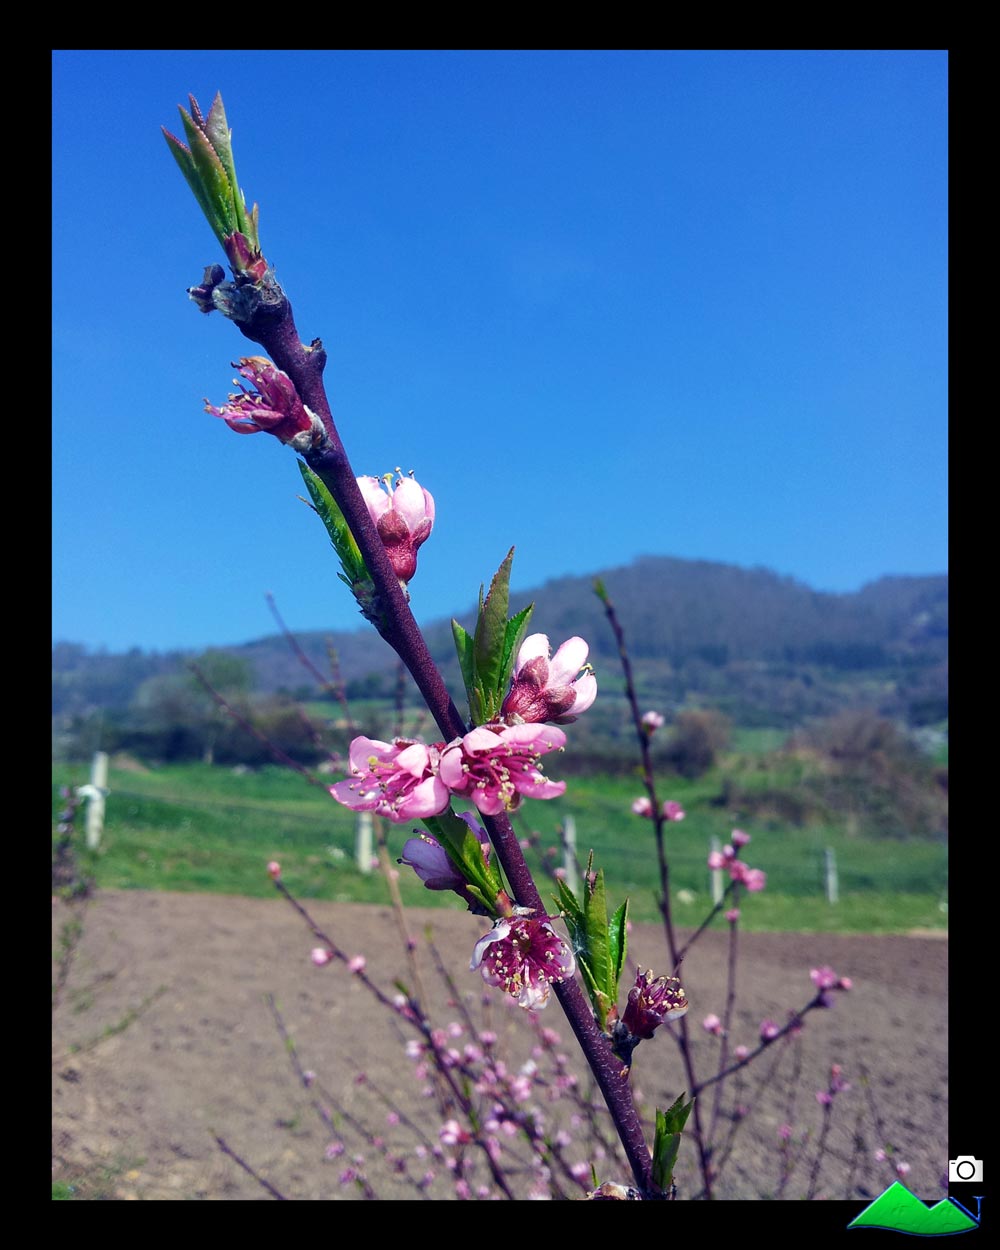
(697, 737)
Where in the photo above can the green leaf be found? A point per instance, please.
(667, 1140)
(351, 559)
(490, 636)
(618, 943)
(216, 187)
(217, 130)
(513, 637)
(568, 904)
(466, 657)
(466, 852)
(598, 945)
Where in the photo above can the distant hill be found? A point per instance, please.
(764, 649)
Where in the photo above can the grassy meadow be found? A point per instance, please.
(202, 828)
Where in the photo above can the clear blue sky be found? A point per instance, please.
(605, 304)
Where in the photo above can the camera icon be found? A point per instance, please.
(965, 1168)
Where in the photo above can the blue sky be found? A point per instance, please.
(605, 304)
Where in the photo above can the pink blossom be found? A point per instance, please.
(524, 957)
(739, 838)
(403, 516)
(755, 879)
(357, 964)
(902, 1169)
(274, 407)
(712, 1024)
(320, 956)
(496, 768)
(398, 781)
(741, 1052)
(274, 870)
(550, 690)
(642, 806)
(452, 1133)
(823, 978)
(716, 860)
(733, 914)
(651, 1001)
(769, 1030)
(824, 1098)
(785, 1132)
(651, 721)
(673, 810)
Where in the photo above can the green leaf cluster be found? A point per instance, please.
(206, 161)
(667, 1140)
(487, 657)
(599, 944)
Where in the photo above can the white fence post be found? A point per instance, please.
(569, 853)
(832, 884)
(95, 794)
(363, 842)
(715, 875)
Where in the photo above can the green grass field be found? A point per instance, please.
(194, 827)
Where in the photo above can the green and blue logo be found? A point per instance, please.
(899, 1211)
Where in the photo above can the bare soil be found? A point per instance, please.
(163, 1041)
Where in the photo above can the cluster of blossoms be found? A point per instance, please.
(825, 980)
(670, 809)
(836, 1086)
(752, 878)
(493, 765)
(899, 1167)
(403, 513)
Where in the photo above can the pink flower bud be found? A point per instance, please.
(651, 721)
(672, 810)
(403, 515)
(712, 1024)
(320, 956)
(274, 870)
(358, 963)
(739, 838)
(642, 806)
(544, 689)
